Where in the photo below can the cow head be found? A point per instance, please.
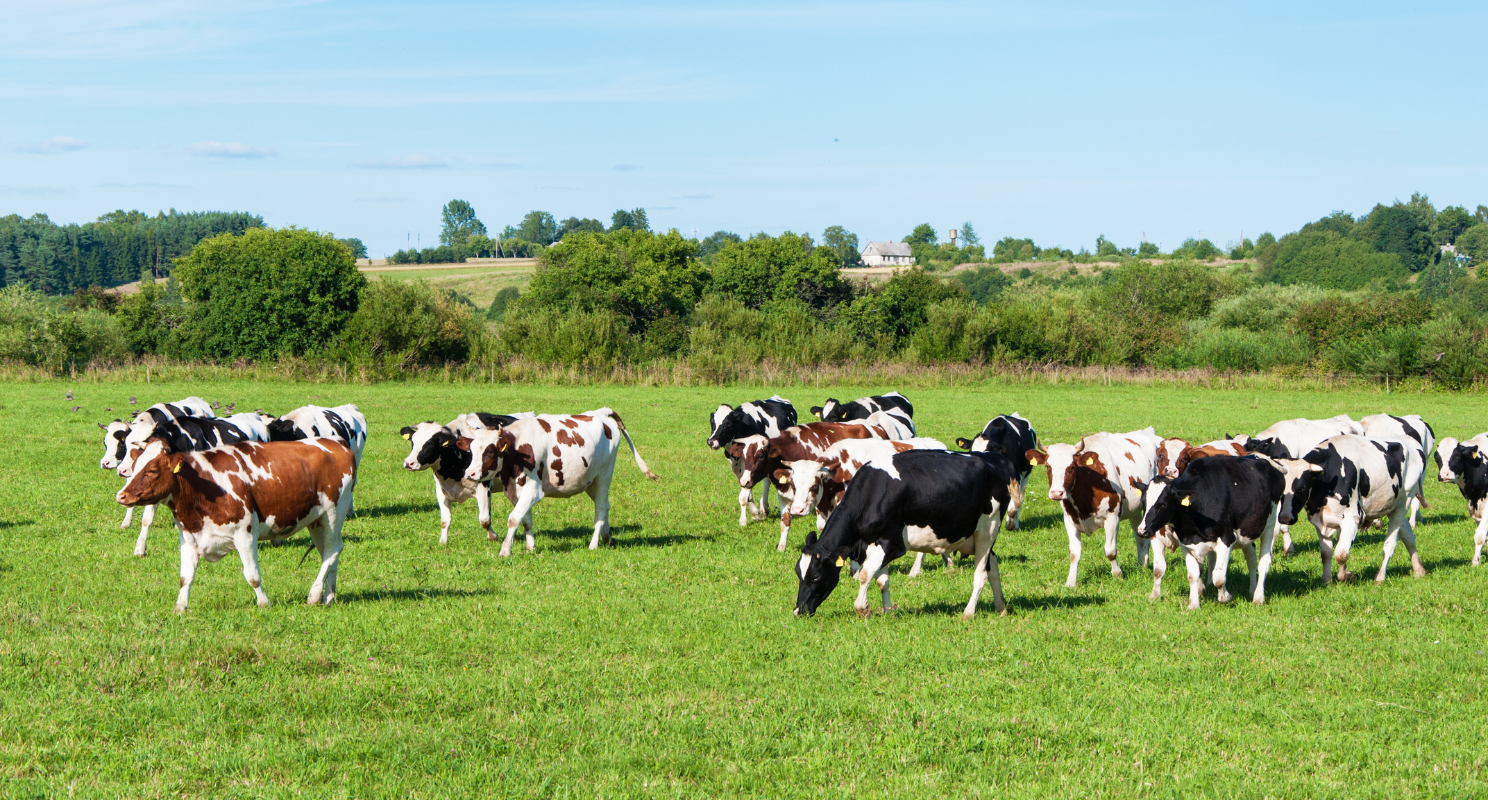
(1271, 448)
(818, 572)
(803, 482)
(752, 453)
(1158, 506)
(154, 480)
(114, 448)
(495, 453)
(428, 441)
(1466, 465)
(1443, 455)
(1298, 477)
(828, 411)
(1064, 461)
(724, 424)
(1172, 456)
(284, 430)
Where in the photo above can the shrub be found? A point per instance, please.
(1236, 349)
(267, 292)
(764, 268)
(1393, 351)
(1264, 308)
(503, 300)
(580, 338)
(635, 274)
(149, 317)
(1329, 259)
(33, 332)
(984, 284)
(1337, 318)
(403, 324)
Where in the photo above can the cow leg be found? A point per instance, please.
(785, 521)
(949, 561)
(1143, 545)
(326, 535)
(1401, 529)
(1016, 509)
(764, 504)
(1346, 535)
(600, 492)
(1191, 560)
(1286, 539)
(1250, 565)
(246, 543)
(1221, 570)
(444, 511)
(483, 511)
(528, 531)
(1268, 542)
(914, 571)
(1325, 551)
(985, 536)
(746, 506)
(521, 508)
(872, 566)
(1113, 527)
(188, 570)
(1392, 538)
(1074, 550)
(147, 518)
(128, 517)
(1159, 567)
(1479, 538)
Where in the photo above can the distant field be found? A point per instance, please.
(479, 281)
(671, 665)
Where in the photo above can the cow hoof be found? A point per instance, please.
(1418, 572)
(1225, 597)
(263, 603)
(913, 573)
(1289, 551)
(1477, 561)
(890, 609)
(1002, 612)
(1117, 573)
(1154, 596)
(505, 552)
(180, 609)
(864, 613)
(1069, 584)
(139, 555)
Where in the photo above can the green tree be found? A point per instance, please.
(715, 242)
(638, 275)
(1402, 229)
(404, 324)
(1010, 249)
(538, 227)
(1148, 250)
(984, 284)
(460, 224)
(1105, 248)
(1331, 260)
(969, 235)
(634, 219)
(1450, 222)
(576, 225)
(267, 292)
(1474, 243)
(784, 267)
(844, 244)
(358, 250)
(922, 234)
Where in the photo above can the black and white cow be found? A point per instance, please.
(893, 402)
(1412, 432)
(1295, 438)
(1013, 436)
(345, 424)
(123, 440)
(923, 500)
(1347, 483)
(1215, 504)
(1466, 464)
(436, 447)
(765, 418)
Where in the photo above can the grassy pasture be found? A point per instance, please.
(670, 665)
(479, 282)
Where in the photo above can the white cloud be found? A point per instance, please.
(404, 162)
(52, 146)
(229, 150)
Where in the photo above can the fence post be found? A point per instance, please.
(1387, 383)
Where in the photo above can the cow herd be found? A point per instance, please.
(876, 489)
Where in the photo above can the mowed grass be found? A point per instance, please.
(480, 283)
(670, 664)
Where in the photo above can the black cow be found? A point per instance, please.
(1349, 482)
(1217, 502)
(1013, 436)
(923, 500)
(1468, 467)
(836, 411)
(765, 418)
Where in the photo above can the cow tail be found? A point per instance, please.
(639, 462)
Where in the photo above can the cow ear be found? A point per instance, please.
(1090, 460)
(810, 538)
(463, 443)
(406, 433)
(773, 452)
(735, 450)
(1142, 487)
(1186, 501)
(102, 426)
(503, 445)
(963, 443)
(781, 475)
(1037, 456)
(816, 410)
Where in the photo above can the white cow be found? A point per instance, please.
(1295, 438)
(437, 446)
(1411, 431)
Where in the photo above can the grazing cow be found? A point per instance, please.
(552, 455)
(1097, 483)
(228, 498)
(1346, 483)
(1466, 465)
(255, 426)
(765, 418)
(760, 458)
(1013, 436)
(1295, 438)
(436, 446)
(1217, 502)
(123, 440)
(922, 500)
(861, 408)
(1412, 432)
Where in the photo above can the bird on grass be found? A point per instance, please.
(69, 394)
(216, 405)
(230, 407)
(109, 409)
(75, 409)
(132, 401)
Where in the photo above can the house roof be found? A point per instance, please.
(890, 248)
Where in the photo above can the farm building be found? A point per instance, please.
(887, 254)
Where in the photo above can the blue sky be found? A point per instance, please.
(1056, 120)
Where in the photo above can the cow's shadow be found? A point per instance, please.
(393, 510)
(14, 523)
(576, 537)
(397, 595)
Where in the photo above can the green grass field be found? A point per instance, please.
(480, 282)
(670, 665)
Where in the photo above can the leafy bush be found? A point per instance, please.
(634, 274)
(503, 300)
(984, 284)
(1331, 260)
(552, 336)
(1337, 318)
(785, 267)
(1264, 308)
(1237, 349)
(267, 292)
(149, 317)
(1393, 351)
(403, 324)
(33, 332)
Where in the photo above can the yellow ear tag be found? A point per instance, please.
(1089, 461)
(408, 436)
(1187, 501)
(841, 561)
(176, 468)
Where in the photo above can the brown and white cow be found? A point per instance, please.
(552, 455)
(761, 458)
(229, 497)
(436, 447)
(1098, 482)
(1174, 455)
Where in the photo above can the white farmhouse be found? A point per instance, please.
(887, 254)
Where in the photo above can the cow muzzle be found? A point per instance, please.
(412, 465)
(1056, 494)
(1445, 476)
(1287, 519)
(1170, 473)
(472, 475)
